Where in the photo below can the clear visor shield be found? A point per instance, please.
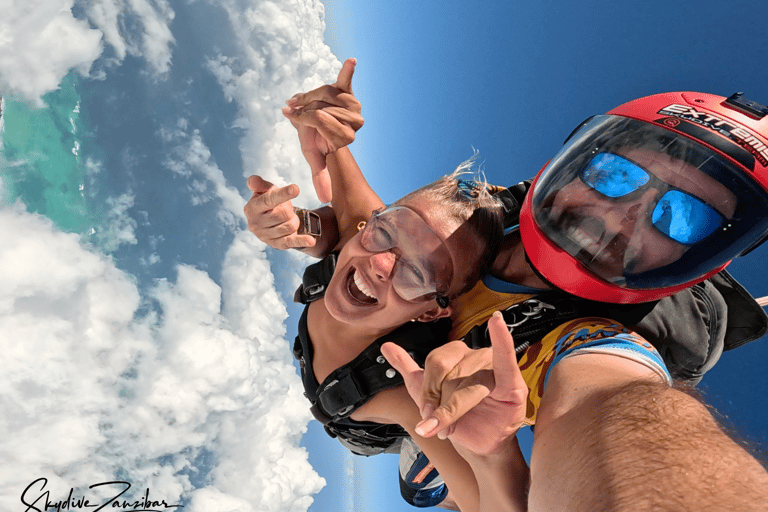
(642, 207)
(423, 268)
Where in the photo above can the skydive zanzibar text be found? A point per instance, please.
(740, 135)
(37, 499)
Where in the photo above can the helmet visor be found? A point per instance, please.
(642, 207)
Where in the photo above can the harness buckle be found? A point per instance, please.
(535, 309)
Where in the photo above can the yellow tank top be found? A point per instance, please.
(477, 305)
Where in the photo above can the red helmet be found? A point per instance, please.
(657, 195)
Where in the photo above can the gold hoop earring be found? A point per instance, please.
(361, 225)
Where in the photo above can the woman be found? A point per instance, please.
(372, 293)
(405, 264)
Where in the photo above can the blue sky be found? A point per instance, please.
(512, 79)
(146, 333)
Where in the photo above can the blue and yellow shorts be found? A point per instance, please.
(583, 336)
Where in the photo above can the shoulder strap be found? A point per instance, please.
(363, 438)
(512, 200)
(315, 279)
(690, 329)
(532, 319)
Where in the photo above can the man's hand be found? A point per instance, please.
(476, 398)
(271, 217)
(326, 119)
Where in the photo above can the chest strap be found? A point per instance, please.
(529, 321)
(356, 382)
(315, 279)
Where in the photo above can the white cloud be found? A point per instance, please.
(204, 383)
(154, 41)
(191, 159)
(42, 41)
(106, 15)
(157, 39)
(282, 53)
(117, 227)
(90, 388)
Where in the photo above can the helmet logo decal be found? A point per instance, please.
(734, 132)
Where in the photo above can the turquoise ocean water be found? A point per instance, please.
(44, 161)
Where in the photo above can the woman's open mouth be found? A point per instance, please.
(358, 289)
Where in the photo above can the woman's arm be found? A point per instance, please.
(503, 478)
(353, 198)
(326, 120)
(396, 406)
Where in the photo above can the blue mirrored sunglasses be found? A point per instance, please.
(679, 215)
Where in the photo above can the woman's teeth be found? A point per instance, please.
(362, 286)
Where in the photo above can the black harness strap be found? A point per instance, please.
(690, 329)
(529, 321)
(511, 199)
(352, 385)
(315, 279)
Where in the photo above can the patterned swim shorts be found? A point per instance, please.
(581, 336)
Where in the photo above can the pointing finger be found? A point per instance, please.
(277, 196)
(342, 114)
(509, 381)
(291, 242)
(258, 185)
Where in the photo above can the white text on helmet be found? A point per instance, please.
(738, 134)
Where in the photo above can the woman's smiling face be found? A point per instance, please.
(384, 289)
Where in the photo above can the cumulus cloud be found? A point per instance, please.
(154, 41)
(283, 53)
(191, 158)
(42, 41)
(92, 389)
(187, 388)
(117, 226)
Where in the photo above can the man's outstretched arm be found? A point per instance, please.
(611, 437)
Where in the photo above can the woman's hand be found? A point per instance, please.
(326, 119)
(475, 398)
(271, 216)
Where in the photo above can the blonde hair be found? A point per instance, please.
(479, 209)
